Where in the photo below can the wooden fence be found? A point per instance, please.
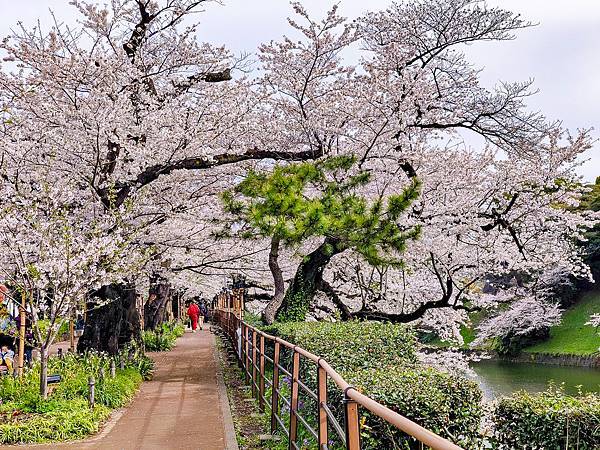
(258, 351)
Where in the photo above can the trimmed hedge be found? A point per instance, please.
(353, 345)
(448, 405)
(548, 420)
(380, 360)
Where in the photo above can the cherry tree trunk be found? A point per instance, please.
(43, 372)
(301, 292)
(157, 309)
(112, 325)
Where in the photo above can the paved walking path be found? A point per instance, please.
(185, 405)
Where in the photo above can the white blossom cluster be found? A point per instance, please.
(117, 136)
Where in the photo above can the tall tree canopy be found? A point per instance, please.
(145, 126)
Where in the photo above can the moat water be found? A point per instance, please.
(499, 378)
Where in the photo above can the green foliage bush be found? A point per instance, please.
(380, 360)
(163, 337)
(25, 417)
(353, 345)
(448, 405)
(119, 391)
(549, 420)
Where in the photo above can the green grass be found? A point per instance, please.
(572, 336)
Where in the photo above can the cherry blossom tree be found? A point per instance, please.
(523, 318)
(55, 250)
(144, 122)
(123, 99)
(401, 110)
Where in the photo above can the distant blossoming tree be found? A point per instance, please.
(54, 252)
(524, 317)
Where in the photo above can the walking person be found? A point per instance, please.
(203, 314)
(193, 313)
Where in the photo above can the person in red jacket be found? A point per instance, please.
(193, 313)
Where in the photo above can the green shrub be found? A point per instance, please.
(448, 405)
(157, 342)
(119, 391)
(380, 360)
(163, 337)
(253, 320)
(145, 366)
(348, 346)
(65, 421)
(548, 420)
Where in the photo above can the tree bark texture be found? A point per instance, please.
(308, 278)
(157, 308)
(44, 372)
(111, 326)
(275, 303)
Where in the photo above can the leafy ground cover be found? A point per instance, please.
(163, 337)
(25, 417)
(572, 336)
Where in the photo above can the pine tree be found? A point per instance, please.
(323, 199)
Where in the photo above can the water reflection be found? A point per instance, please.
(498, 378)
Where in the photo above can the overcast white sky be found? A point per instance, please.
(562, 53)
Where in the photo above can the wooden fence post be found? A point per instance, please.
(352, 427)
(113, 368)
(228, 314)
(254, 363)
(242, 345)
(294, 399)
(322, 401)
(275, 388)
(247, 355)
(261, 387)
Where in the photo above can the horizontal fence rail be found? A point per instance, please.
(256, 350)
